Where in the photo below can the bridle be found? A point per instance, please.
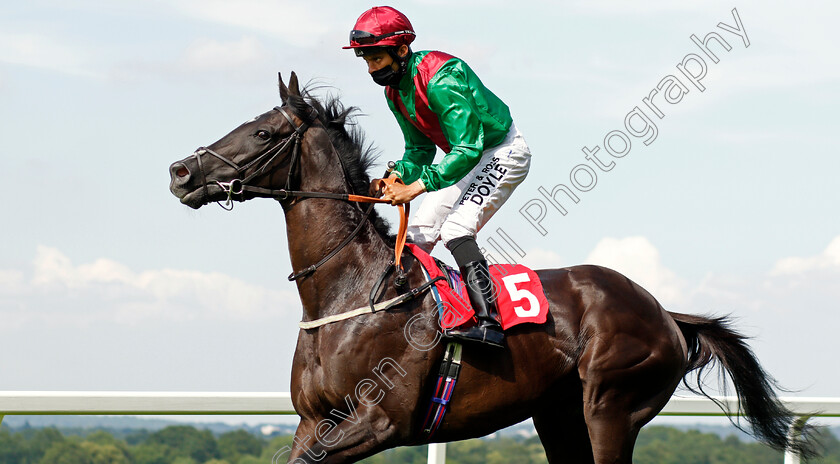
(240, 185)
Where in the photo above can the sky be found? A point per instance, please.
(720, 199)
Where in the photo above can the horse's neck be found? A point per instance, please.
(315, 227)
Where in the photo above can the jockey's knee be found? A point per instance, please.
(450, 230)
(424, 237)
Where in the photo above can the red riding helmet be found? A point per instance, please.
(381, 26)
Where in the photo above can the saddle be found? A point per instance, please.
(520, 297)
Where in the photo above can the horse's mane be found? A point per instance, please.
(356, 154)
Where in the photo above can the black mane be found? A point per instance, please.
(348, 140)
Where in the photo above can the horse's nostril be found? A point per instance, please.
(182, 172)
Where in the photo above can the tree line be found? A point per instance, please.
(184, 444)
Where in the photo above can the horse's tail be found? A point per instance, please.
(710, 340)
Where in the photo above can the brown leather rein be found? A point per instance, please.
(399, 245)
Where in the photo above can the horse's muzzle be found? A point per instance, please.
(179, 175)
(185, 180)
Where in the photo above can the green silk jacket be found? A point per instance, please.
(442, 101)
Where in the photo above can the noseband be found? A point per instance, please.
(238, 185)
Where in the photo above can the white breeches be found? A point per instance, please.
(462, 209)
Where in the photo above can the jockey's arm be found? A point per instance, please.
(451, 99)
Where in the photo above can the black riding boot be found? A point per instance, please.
(476, 276)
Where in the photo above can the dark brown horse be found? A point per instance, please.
(603, 365)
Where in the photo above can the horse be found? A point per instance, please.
(605, 362)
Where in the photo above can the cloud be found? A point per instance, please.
(208, 54)
(639, 260)
(10, 280)
(801, 288)
(793, 284)
(828, 260)
(246, 59)
(43, 51)
(620, 8)
(486, 4)
(298, 24)
(60, 292)
(538, 258)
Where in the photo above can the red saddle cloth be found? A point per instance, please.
(520, 297)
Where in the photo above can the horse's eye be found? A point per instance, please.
(263, 135)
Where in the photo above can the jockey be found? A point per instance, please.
(439, 101)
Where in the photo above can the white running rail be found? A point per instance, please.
(256, 403)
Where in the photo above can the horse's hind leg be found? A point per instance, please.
(626, 382)
(612, 434)
(563, 433)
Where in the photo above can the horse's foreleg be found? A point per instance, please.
(330, 440)
(301, 448)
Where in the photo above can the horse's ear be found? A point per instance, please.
(292, 89)
(284, 91)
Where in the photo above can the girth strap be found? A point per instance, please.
(450, 369)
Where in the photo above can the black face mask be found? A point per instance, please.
(387, 76)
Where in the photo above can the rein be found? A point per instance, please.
(239, 187)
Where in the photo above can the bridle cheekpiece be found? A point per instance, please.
(240, 185)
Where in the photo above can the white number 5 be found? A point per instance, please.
(517, 294)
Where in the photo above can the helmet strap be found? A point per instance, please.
(402, 61)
